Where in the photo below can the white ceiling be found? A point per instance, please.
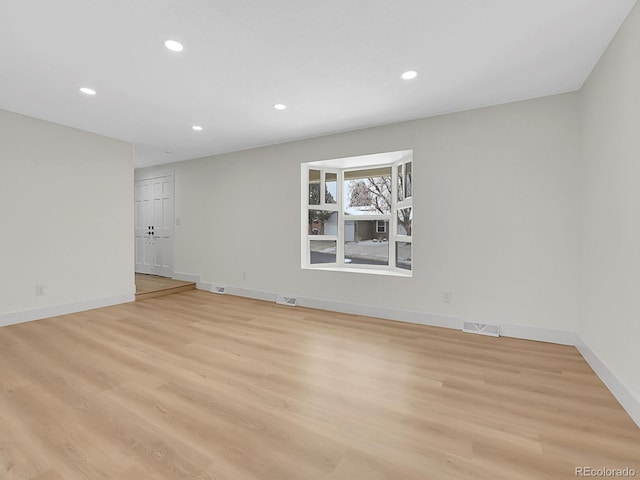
(335, 63)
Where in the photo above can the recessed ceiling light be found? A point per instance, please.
(280, 106)
(173, 45)
(409, 75)
(88, 91)
(197, 128)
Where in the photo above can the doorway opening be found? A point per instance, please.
(154, 225)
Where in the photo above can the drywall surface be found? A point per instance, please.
(609, 300)
(495, 215)
(67, 216)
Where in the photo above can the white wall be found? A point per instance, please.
(67, 219)
(496, 215)
(609, 298)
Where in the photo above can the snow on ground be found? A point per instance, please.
(365, 248)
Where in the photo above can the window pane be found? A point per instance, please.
(367, 192)
(363, 245)
(323, 222)
(314, 187)
(408, 180)
(331, 188)
(381, 226)
(322, 251)
(403, 255)
(400, 184)
(404, 221)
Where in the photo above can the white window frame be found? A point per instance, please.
(395, 161)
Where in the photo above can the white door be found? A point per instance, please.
(154, 220)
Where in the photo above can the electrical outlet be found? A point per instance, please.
(39, 290)
(446, 296)
(244, 275)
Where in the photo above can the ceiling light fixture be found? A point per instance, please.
(88, 91)
(409, 75)
(280, 106)
(173, 46)
(197, 128)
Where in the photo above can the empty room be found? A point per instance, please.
(330, 240)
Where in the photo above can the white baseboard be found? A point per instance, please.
(628, 401)
(190, 277)
(527, 332)
(539, 334)
(56, 310)
(409, 316)
(186, 277)
(206, 286)
(248, 293)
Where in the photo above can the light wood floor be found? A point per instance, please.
(149, 286)
(203, 386)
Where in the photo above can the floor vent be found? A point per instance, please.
(284, 300)
(481, 329)
(218, 289)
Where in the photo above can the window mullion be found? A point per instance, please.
(394, 216)
(340, 199)
(379, 216)
(304, 220)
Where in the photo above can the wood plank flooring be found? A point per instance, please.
(150, 286)
(203, 386)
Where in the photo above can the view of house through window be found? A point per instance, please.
(358, 213)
